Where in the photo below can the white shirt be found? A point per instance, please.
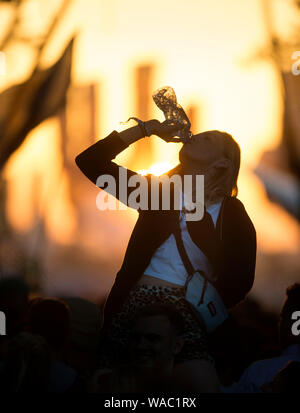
(166, 263)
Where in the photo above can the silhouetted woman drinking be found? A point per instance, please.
(152, 271)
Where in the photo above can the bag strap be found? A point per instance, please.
(182, 251)
(183, 254)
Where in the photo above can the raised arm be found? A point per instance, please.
(96, 160)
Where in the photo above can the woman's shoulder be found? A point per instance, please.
(234, 204)
(233, 201)
(235, 210)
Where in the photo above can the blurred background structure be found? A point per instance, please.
(75, 69)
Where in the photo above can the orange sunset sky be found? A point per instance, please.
(203, 49)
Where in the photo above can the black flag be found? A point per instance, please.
(26, 105)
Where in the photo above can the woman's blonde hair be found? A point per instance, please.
(221, 178)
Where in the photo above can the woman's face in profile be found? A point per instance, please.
(198, 154)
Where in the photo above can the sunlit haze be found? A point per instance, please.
(203, 49)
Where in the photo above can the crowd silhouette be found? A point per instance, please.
(52, 345)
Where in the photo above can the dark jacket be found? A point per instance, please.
(233, 257)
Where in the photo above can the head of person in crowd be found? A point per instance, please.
(286, 321)
(156, 337)
(285, 381)
(85, 321)
(14, 294)
(27, 365)
(50, 318)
